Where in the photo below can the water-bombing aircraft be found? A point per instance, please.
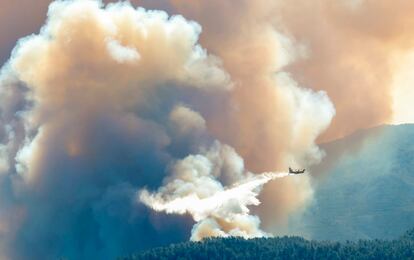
(291, 171)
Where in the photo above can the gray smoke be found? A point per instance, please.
(111, 102)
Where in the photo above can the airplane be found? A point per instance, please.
(296, 171)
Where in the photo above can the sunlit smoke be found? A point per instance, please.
(195, 190)
(229, 206)
(110, 101)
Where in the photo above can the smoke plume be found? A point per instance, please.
(108, 102)
(352, 55)
(196, 186)
(339, 47)
(89, 113)
(123, 128)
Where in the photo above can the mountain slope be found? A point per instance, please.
(365, 188)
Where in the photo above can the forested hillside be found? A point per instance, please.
(284, 248)
(364, 188)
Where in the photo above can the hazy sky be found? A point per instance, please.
(404, 91)
(146, 114)
(17, 22)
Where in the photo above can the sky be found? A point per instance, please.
(13, 27)
(403, 95)
(116, 119)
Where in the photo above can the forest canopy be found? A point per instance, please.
(284, 248)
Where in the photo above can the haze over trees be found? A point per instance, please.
(284, 248)
(364, 187)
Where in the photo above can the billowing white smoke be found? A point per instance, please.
(195, 188)
(105, 100)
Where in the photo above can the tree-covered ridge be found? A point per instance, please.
(365, 187)
(284, 248)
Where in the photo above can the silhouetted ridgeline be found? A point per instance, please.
(284, 248)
